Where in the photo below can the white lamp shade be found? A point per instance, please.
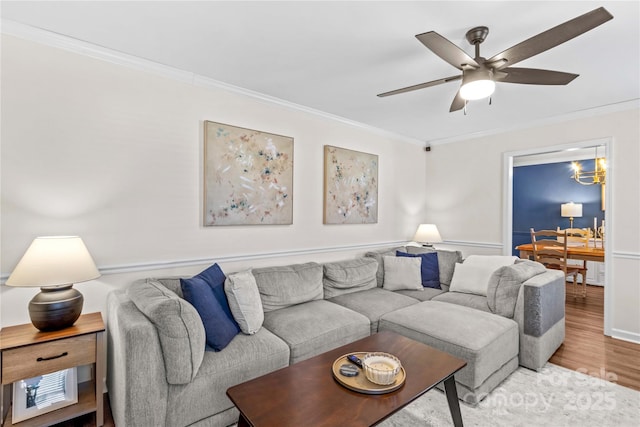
(568, 210)
(427, 233)
(53, 261)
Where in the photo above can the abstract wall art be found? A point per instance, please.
(350, 186)
(248, 176)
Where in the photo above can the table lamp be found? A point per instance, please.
(427, 234)
(54, 263)
(571, 210)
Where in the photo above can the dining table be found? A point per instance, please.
(573, 252)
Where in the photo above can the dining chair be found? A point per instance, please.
(550, 248)
(578, 237)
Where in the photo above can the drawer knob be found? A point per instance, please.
(42, 359)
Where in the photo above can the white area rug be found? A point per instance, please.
(554, 396)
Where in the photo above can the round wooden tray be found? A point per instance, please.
(360, 383)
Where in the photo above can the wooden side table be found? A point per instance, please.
(26, 352)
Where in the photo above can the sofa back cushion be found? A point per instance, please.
(285, 286)
(446, 261)
(179, 327)
(345, 277)
(504, 285)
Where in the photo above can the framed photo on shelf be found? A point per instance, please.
(350, 186)
(248, 176)
(45, 393)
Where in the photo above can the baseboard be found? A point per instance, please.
(620, 334)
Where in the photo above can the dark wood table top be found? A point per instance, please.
(306, 393)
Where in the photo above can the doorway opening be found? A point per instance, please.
(561, 153)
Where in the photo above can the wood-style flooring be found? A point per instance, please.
(585, 349)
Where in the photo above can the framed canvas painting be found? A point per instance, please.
(350, 186)
(248, 176)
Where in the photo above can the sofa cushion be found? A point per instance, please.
(479, 302)
(377, 255)
(284, 286)
(374, 303)
(206, 293)
(245, 358)
(179, 328)
(401, 273)
(244, 301)
(446, 261)
(485, 341)
(315, 327)
(172, 283)
(429, 269)
(504, 285)
(424, 294)
(348, 276)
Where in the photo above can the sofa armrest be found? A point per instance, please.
(136, 376)
(540, 315)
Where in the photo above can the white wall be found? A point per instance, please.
(466, 184)
(114, 154)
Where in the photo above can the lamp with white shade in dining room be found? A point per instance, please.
(571, 210)
(54, 263)
(427, 234)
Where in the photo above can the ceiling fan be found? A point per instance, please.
(479, 75)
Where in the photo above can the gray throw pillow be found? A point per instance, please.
(244, 301)
(504, 285)
(377, 255)
(179, 327)
(402, 273)
(284, 286)
(345, 277)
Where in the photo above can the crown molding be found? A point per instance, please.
(560, 118)
(56, 40)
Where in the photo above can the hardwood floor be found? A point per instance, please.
(587, 350)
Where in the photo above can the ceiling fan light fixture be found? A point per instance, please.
(477, 84)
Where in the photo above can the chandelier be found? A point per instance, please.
(596, 176)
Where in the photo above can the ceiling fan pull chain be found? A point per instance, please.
(465, 107)
(490, 98)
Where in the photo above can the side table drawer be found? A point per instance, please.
(38, 359)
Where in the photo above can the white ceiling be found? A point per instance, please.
(336, 56)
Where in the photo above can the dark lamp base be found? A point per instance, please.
(55, 308)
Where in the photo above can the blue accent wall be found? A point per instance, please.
(538, 192)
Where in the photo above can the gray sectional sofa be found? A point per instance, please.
(159, 373)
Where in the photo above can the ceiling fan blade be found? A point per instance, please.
(458, 103)
(534, 76)
(550, 38)
(420, 86)
(446, 50)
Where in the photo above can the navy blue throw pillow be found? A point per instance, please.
(429, 269)
(206, 293)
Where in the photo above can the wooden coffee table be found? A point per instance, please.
(306, 394)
